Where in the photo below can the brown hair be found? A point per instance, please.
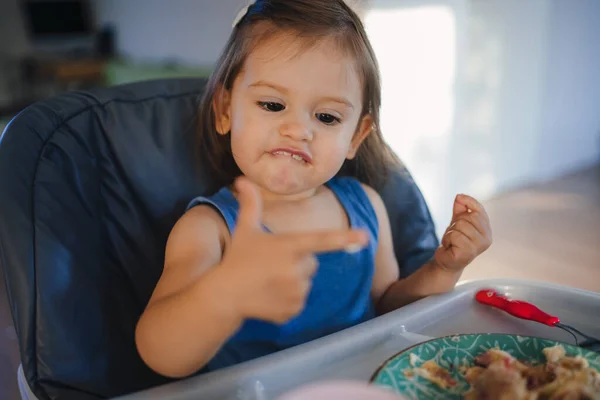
(310, 20)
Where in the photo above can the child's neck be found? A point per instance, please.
(273, 198)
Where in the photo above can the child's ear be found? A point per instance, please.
(365, 127)
(222, 109)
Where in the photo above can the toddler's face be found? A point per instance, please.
(294, 115)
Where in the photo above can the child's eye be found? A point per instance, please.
(271, 106)
(328, 119)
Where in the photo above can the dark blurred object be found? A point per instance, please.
(36, 77)
(60, 27)
(105, 42)
(65, 53)
(59, 18)
(48, 75)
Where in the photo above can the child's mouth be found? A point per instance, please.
(296, 155)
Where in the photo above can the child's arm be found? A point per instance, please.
(213, 282)
(189, 315)
(468, 236)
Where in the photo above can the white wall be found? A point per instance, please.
(532, 92)
(499, 123)
(510, 97)
(479, 95)
(421, 46)
(185, 31)
(570, 136)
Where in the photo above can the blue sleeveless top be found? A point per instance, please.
(340, 296)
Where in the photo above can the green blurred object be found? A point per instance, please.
(454, 352)
(3, 123)
(119, 72)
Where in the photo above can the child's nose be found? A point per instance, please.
(296, 130)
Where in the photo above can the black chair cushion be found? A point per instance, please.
(91, 184)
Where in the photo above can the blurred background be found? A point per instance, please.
(494, 98)
(499, 99)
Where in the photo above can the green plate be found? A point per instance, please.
(455, 351)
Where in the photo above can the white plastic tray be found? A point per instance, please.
(357, 352)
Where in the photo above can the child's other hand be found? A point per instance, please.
(270, 275)
(468, 235)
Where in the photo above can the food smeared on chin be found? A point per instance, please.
(497, 375)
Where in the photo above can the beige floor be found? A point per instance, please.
(550, 233)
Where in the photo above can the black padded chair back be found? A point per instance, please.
(91, 184)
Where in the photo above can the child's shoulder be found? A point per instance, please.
(200, 233)
(223, 196)
(371, 194)
(201, 220)
(351, 182)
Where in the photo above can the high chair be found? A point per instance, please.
(91, 184)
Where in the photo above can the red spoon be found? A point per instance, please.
(527, 311)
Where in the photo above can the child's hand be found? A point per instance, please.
(270, 275)
(468, 235)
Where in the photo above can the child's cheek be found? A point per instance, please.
(335, 152)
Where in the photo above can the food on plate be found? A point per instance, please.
(431, 371)
(497, 375)
(561, 377)
(498, 382)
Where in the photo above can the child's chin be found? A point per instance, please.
(286, 186)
